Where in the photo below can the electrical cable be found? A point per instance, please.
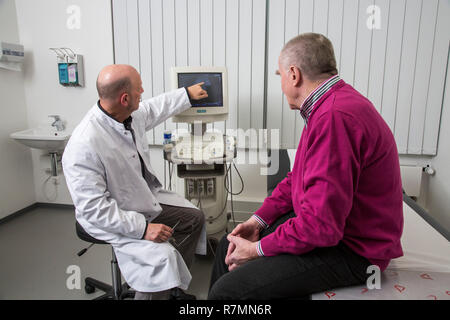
(221, 212)
(228, 181)
(199, 200)
(240, 177)
(231, 197)
(226, 199)
(231, 178)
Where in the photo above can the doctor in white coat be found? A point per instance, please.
(118, 198)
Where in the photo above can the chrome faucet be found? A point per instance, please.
(58, 123)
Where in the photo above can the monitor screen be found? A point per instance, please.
(213, 85)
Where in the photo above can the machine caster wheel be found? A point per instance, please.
(89, 289)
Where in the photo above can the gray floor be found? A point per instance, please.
(38, 247)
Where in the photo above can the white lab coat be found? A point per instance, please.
(112, 199)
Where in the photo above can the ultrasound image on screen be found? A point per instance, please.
(213, 85)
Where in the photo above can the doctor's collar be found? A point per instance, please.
(126, 122)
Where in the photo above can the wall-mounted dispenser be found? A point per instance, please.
(70, 67)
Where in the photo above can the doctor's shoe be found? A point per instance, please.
(178, 294)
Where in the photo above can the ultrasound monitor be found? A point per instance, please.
(211, 109)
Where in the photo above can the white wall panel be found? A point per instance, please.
(320, 23)
(258, 61)
(193, 9)
(363, 49)
(206, 32)
(181, 32)
(439, 67)
(288, 135)
(120, 23)
(395, 26)
(398, 62)
(232, 57)
(158, 71)
(245, 63)
(133, 34)
(407, 72)
(399, 66)
(155, 35)
(378, 57)
(206, 36)
(169, 32)
(219, 42)
(422, 76)
(335, 17)
(181, 39)
(145, 50)
(306, 15)
(275, 44)
(349, 37)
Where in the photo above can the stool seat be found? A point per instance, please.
(83, 235)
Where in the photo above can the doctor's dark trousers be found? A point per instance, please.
(189, 224)
(286, 276)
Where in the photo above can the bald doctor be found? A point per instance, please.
(117, 196)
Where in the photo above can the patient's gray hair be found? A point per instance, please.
(312, 53)
(111, 90)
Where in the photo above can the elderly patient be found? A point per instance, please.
(117, 196)
(338, 211)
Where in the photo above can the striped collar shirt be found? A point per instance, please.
(308, 105)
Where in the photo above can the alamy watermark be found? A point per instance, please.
(374, 19)
(254, 146)
(374, 280)
(73, 282)
(74, 20)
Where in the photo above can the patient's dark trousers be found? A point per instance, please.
(286, 276)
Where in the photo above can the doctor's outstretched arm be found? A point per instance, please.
(160, 108)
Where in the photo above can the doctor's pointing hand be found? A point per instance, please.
(196, 92)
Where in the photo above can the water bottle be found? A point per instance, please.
(167, 137)
(167, 143)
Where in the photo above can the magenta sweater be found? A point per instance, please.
(345, 184)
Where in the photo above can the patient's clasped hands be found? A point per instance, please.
(243, 241)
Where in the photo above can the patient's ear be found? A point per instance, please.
(295, 75)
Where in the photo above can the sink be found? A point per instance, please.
(43, 138)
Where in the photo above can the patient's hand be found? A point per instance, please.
(249, 230)
(242, 252)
